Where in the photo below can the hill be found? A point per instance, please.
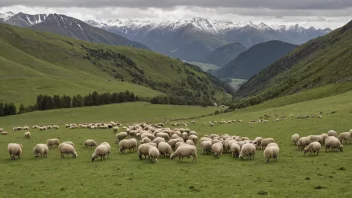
(223, 55)
(42, 63)
(255, 59)
(74, 28)
(321, 61)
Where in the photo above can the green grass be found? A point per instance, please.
(124, 175)
(204, 66)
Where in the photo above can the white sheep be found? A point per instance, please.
(67, 149)
(158, 139)
(69, 142)
(185, 151)
(51, 142)
(41, 149)
(271, 152)
(14, 150)
(266, 141)
(206, 147)
(164, 149)
(1, 129)
(130, 144)
(313, 147)
(143, 150)
(333, 143)
(332, 133)
(316, 138)
(295, 138)
(346, 136)
(248, 150)
(154, 154)
(190, 142)
(3, 133)
(101, 151)
(115, 129)
(217, 149)
(90, 143)
(235, 149)
(120, 136)
(27, 135)
(303, 142)
(258, 142)
(145, 140)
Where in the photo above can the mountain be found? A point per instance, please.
(254, 60)
(164, 36)
(47, 63)
(24, 20)
(223, 55)
(321, 61)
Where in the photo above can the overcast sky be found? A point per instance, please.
(317, 13)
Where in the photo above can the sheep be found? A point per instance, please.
(190, 142)
(164, 149)
(128, 144)
(332, 133)
(346, 136)
(178, 144)
(51, 142)
(145, 140)
(333, 143)
(120, 136)
(194, 138)
(68, 149)
(266, 141)
(25, 128)
(158, 139)
(90, 143)
(185, 151)
(217, 149)
(271, 152)
(1, 130)
(235, 149)
(55, 127)
(101, 151)
(143, 150)
(184, 136)
(69, 142)
(272, 144)
(313, 147)
(153, 154)
(303, 142)
(27, 135)
(295, 138)
(14, 150)
(258, 142)
(316, 138)
(206, 147)
(115, 129)
(3, 133)
(248, 150)
(163, 135)
(324, 136)
(41, 149)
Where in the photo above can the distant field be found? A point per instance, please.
(124, 175)
(236, 83)
(205, 67)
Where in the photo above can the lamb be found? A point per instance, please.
(258, 142)
(295, 138)
(271, 152)
(120, 136)
(41, 149)
(51, 142)
(346, 136)
(27, 135)
(266, 141)
(164, 149)
(14, 150)
(248, 150)
(333, 143)
(101, 151)
(303, 142)
(332, 133)
(313, 147)
(69, 142)
(128, 144)
(153, 154)
(206, 147)
(185, 151)
(217, 149)
(235, 149)
(90, 143)
(67, 149)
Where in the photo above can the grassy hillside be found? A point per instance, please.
(321, 61)
(255, 59)
(223, 55)
(124, 175)
(43, 63)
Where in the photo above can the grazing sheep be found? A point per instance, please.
(55, 127)
(333, 143)
(145, 140)
(346, 136)
(332, 133)
(194, 138)
(143, 150)
(164, 149)
(51, 142)
(295, 138)
(153, 154)
(185, 151)
(217, 149)
(68, 149)
(41, 149)
(303, 142)
(115, 129)
(316, 138)
(128, 144)
(158, 139)
(272, 144)
(163, 135)
(90, 143)
(313, 147)
(190, 142)
(258, 142)
(235, 149)
(206, 147)
(248, 150)
(3, 133)
(271, 152)
(120, 136)
(69, 142)
(14, 150)
(1, 130)
(101, 151)
(27, 135)
(266, 141)
(324, 136)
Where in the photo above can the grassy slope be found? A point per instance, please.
(46, 63)
(127, 176)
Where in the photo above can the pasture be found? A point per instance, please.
(124, 175)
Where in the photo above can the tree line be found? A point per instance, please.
(177, 100)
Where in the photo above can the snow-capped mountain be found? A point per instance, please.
(24, 20)
(6, 15)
